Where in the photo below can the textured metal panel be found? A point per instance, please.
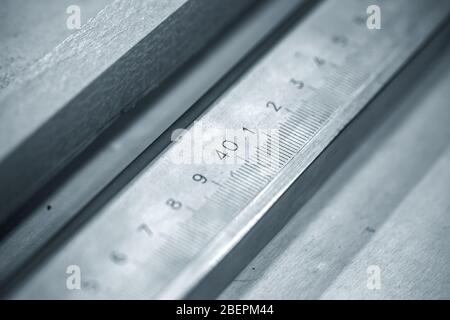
(68, 97)
(31, 29)
(188, 242)
(388, 205)
(126, 140)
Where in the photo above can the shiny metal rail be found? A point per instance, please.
(59, 105)
(109, 161)
(386, 207)
(169, 231)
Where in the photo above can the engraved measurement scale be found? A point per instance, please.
(172, 225)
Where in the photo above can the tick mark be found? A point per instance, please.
(216, 183)
(191, 209)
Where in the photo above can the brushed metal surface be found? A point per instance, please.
(74, 92)
(107, 160)
(388, 205)
(31, 29)
(187, 247)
